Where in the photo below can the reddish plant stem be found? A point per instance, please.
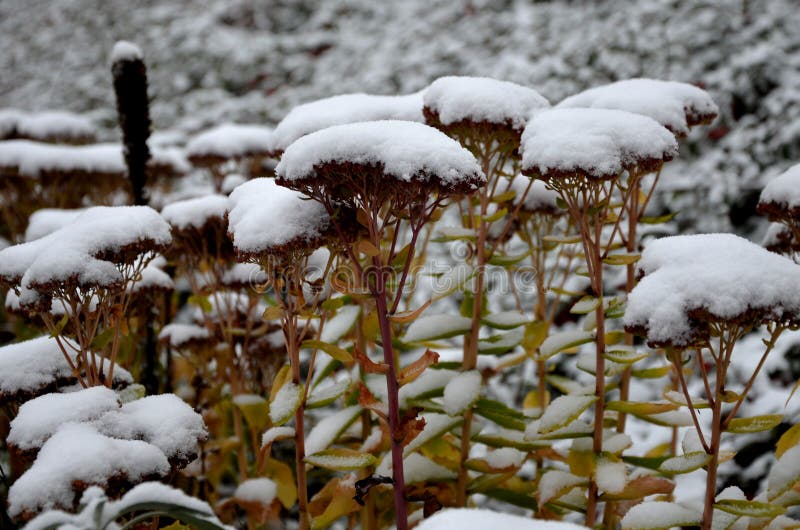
(393, 389)
(290, 330)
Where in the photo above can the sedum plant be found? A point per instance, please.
(389, 173)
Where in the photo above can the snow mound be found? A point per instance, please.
(82, 253)
(180, 335)
(125, 51)
(58, 126)
(677, 106)
(347, 108)
(781, 193)
(539, 197)
(692, 280)
(596, 143)
(480, 519)
(47, 220)
(405, 151)
(194, 213)
(231, 140)
(454, 99)
(32, 159)
(78, 455)
(267, 218)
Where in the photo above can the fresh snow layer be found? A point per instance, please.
(783, 190)
(70, 252)
(78, 453)
(47, 220)
(461, 392)
(538, 198)
(347, 108)
(406, 151)
(194, 213)
(32, 158)
(178, 334)
(258, 490)
(482, 99)
(480, 519)
(163, 420)
(721, 274)
(38, 363)
(46, 125)
(125, 51)
(670, 103)
(264, 217)
(598, 143)
(39, 418)
(231, 140)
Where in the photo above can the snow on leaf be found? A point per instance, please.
(564, 340)
(275, 434)
(340, 324)
(784, 474)
(340, 459)
(286, 402)
(324, 433)
(555, 483)
(660, 516)
(461, 392)
(325, 394)
(505, 320)
(746, 508)
(436, 327)
(563, 411)
(684, 463)
(754, 423)
(611, 476)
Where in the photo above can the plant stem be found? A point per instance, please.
(290, 329)
(393, 388)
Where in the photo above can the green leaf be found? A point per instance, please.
(437, 327)
(652, 373)
(201, 301)
(621, 259)
(327, 394)
(744, 508)
(254, 408)
(504, 320)
(658, 220)
(587, 304)
(506, 260)
(502, 343)
(341, 459)
(563, 411)
(286, 402)
(564, 340)
(640, 408)
(754, 424)
(677, 465)
(669, 515)
(624, 354)
(500, 414)
(787, 440)
(101, 340)
(563, 240)
(512, 497)
(454, 233)
(340, 354)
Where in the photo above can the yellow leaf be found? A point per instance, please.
(272, 313)
(283, 375)
(283, 477)
(409, 316)
(340, 354)
(788, 440)
(367, 248)
(415, 369)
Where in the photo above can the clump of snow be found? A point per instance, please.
(231, 140)
(597, 143)
(691, 279)
(461, 392)
(179, 335)
(125, 51)
(153, 277)
(78, 454)
(76, 252)
(455, 99)
(35, 365)
(656, 515)
(195, 213)
(39, 418)
(784, 190)
(417, 468)
(436, 326)
(285, 402)
(677, 106)
(329, 428)
(47, 220)
(276, 433)
(265, 218)
(163, 420)
(347, 108)
(538, 198)
(556, 482)
(31, 158)
(481, 519)
(259, 490)
(231, 181)
(504, 457)
(57, 126)
(244, 274)
(406, 151)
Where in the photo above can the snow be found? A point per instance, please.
(153, 277)
(347, 108)
(481, 519)
(125, 51)
(261, 490)
(784, 474)
(244, 274)
(46, 125)
(340, 324)
(179, 335)
(94, 459)
(406, 151)
(461, 392)
(163, 420)
(562, 411)
(231, 181)
(195, 213)
(47, 220)
(435, 426)
(784, 190)
(436, 326)
(611, 476)
(596, 143)
(265, 218)
(33, 158)
(455, 99)
(33, 365)
(539, 196)
(285, 403)
(329, 428)
(555, 483)
(659, 515)
(417, 468)
(231, 140)
(503, 458)
(70, 253)
(39, 418)
(677, 106)
(276, 433)
(721, 275)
